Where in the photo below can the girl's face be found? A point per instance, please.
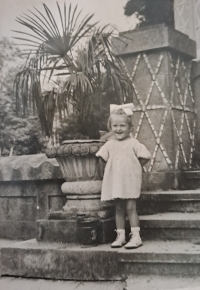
(120, 127)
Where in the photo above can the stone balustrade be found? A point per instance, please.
(30, 187)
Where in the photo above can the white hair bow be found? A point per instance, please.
(127, 108)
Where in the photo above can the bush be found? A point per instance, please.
(151, 12)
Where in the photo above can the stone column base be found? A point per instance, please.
(66, 230)
(84, 197)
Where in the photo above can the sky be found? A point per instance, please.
(105, 11)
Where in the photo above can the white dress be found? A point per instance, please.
(123, 172)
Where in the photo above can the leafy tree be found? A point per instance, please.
(151, 12)
(17, 135)
(8, 54)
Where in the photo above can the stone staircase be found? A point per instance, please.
(171, 236)
(170, 229)
(172, 215)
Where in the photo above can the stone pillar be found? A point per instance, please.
(158, 61)
(196, 89)
(187, 20)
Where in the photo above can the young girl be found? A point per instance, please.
(123, 174)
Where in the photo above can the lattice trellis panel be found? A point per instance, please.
(187, 19)
(164, 117)
(196, 16)
(182, 15)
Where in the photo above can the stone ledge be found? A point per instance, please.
(73, 262)
(171, 195)
(154, 37)
(162, 252)
(29, 167)
(192, 174)
(39, 167)
(171, 220)
(66, 231)
(171, 227)
(58, 261)
(17, 230)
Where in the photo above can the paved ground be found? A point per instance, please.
(10, 283)
(136, 283)
(131, 283)
(162, 283)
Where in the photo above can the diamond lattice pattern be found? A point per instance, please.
(164, 117)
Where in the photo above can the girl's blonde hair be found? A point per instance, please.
(119, 112)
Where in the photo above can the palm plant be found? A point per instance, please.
(89, 72)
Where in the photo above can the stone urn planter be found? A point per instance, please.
(83, 174)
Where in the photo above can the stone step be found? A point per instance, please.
(169, 201)
(75, 262)
(18, 230)
(170, 258)
(66, 231)
(159, 201)
(14, 226)
(60, 261)
(170, 226)
(190, 179)
(160, 226)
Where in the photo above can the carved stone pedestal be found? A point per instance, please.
(83, 201)
(83, 173)
(83, 197)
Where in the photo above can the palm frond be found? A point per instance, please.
(61, 19)
(46, 30)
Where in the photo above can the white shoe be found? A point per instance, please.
(134, 242)
(120, 239)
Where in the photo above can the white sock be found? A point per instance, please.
(120, 231)
(135, 229)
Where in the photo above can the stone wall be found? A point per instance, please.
(30, 187)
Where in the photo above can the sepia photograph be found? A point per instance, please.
(100, 144)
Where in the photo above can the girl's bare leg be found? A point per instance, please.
(132, 213)
(120, 224)
(120, 212)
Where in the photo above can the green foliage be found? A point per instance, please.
(8, 53)
(74, 128)
(90, 72)
(47, 36)
(17, 135)
(151, 12)
(22, 136)
(50, 46)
